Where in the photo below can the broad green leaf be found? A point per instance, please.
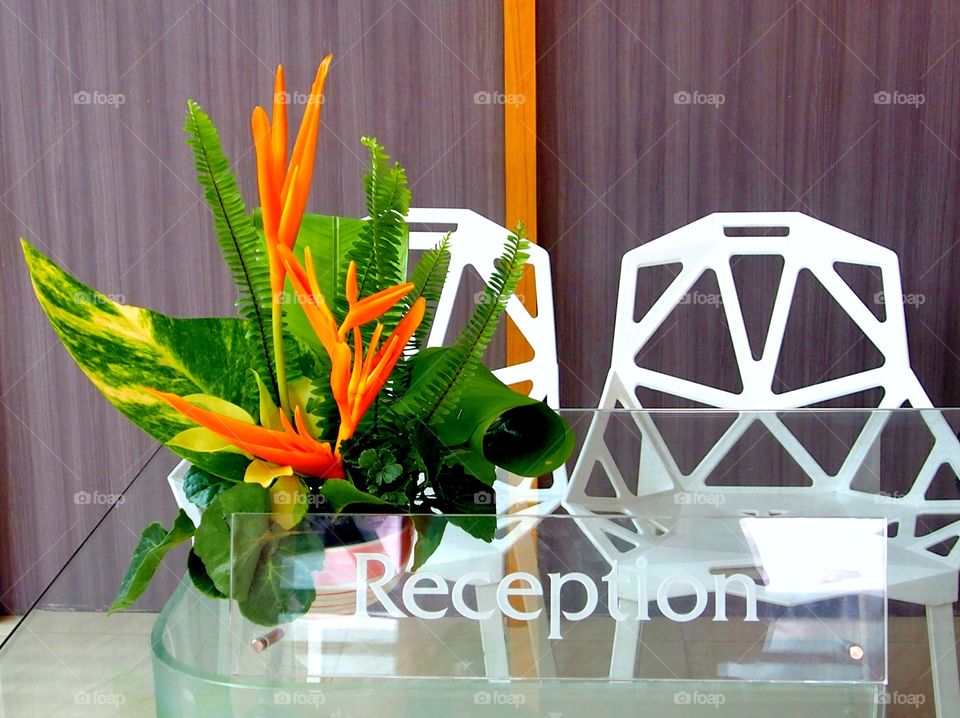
(199, 576)
(155, 543)
(201, 487)
(282, 588)
(244, 251)
(216, 538)
(429, 534)
(124, 350)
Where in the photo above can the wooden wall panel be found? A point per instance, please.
(108, 189)
(622, 163)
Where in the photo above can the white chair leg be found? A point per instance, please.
(943, 660)
(492, 633)
(626, 641)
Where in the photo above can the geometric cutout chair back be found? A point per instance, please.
(475, 244)
(803, 243)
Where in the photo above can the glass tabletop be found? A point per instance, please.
(818, 642)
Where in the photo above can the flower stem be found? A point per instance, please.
(277, 326)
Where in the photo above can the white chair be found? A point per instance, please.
(475, 244)
(917, 572)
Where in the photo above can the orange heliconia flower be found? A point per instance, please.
(356, 377)
(292, 447)
(284, 186)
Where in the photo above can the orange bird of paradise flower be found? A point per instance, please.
(356, 376)
(284, 188)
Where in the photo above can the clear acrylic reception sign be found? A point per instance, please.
(557, 631)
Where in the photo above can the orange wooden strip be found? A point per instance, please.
(520, 143)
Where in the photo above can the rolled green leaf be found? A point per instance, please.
(519, 434)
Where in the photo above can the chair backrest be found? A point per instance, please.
(476, 243)
(805, 244)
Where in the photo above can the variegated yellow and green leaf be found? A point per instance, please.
(125, 350)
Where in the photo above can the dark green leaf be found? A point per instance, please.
(429, 534)
(155, 543)
(201, 487)
(199, 576)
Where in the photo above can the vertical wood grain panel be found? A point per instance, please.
(109, 191)
(622, 162)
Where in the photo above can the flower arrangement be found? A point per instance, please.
(320, 398)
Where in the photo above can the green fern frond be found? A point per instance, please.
(242, 249)
(381, 249)
(431, 396)
(428, 279)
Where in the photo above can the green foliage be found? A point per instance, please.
(155, 543)
(430, 531)
(432, 394)
(126, 350)
(232, 551)
(282, 585)
(201, 487)
(243, 250)
(200, 578)
(381, 249)
(428, 280)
